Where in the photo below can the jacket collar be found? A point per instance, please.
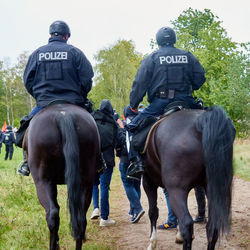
(57, 39)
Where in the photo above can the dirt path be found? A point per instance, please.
(136, 236)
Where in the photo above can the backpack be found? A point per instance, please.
(107, 128)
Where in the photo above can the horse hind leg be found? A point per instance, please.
(47, 195)
(153, 212)
(212, 237)
(178, 201)
(86, 198)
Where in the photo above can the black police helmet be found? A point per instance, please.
(165, 36)
(59, 28)
(9, 127)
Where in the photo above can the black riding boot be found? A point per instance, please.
(24, 168)
(135, 169)
(201, 202)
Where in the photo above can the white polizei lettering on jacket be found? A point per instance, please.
(173, 59)
(56, 55)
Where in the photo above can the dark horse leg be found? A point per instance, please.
(47, 195)
(212, 237)
(153, 212)
(178, 201)
(86, 198)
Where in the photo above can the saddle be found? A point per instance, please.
(145, 127)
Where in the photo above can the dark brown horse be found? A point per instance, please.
(187, 149)
(62, 144)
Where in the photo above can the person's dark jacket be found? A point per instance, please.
(170, 68)
(58, 71)
(1, 138)
(9, 138)
(105, 113)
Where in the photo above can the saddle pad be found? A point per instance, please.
(150, 131)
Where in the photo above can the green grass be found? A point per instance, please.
(242, 159)
(22, 218)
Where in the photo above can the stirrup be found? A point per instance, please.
(136, 172)
(23, 169)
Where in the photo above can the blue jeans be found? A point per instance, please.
(104, 181)
(155, 108)
(171, 217)
(132, 189)
(35, 110)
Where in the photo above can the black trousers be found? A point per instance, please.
(200, 195)
(9, 151)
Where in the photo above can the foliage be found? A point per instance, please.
(14, 99)
(225, 65)
(234, 94)
(115, 69)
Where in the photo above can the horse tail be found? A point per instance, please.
(218, 134)
(70, 147)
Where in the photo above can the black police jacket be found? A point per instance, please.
(167, 67)
(58, 71)
(9, 138)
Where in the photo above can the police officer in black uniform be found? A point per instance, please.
(166, 75)
(9, 140)
(1, 139)
(57, 71)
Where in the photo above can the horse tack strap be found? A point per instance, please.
(150, 131)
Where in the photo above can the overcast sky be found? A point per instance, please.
(96, 24)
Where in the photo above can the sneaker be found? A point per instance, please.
(24, 169)
(137, 217)
(167, 225)
(200, 219)
(95, 214)
(106, 223)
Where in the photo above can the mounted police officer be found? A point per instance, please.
(168, 74)
(9, 140)
(57, 71)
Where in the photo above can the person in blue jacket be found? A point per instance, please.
(57, 71)
(166, 75)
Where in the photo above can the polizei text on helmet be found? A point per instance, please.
(173, 59)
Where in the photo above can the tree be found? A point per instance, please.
(115, 70)
(15, 100)
(235, 95)
(201, 33)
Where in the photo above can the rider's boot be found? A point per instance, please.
(136, 168)
(24, 168)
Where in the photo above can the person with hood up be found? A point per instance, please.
(109, 134)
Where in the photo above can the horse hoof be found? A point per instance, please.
(153, 245)
(84, 238)
(179, 238)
